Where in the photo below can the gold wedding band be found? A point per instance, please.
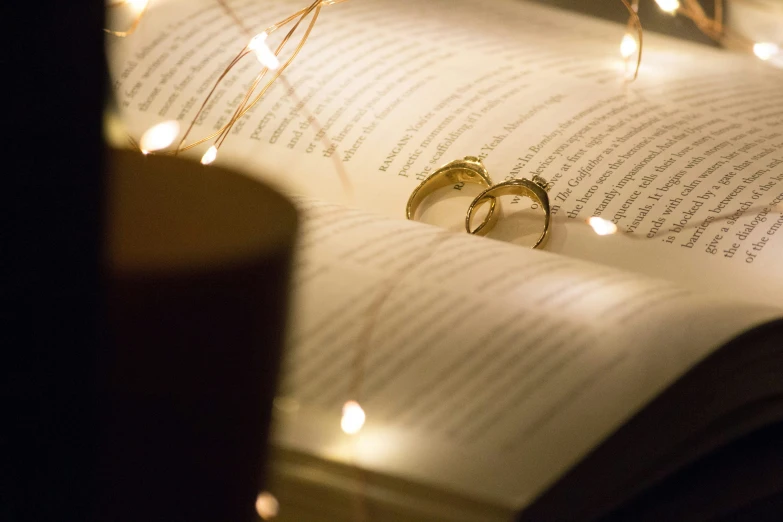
(467, 170)
(535, 190)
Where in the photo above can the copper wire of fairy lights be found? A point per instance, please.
(691, 9)
(635, 23)
(712, 27)
(251, 97)
(339, 167)
(249, 101)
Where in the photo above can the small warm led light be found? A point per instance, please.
(628, 46)
(353, 418)
(267, 506)
(159, 136)
(267, 57)
(257, 40)
(601, 226)
(263, 52)
(668, 6)
(765, 50)
(137, 5)
(209, 156)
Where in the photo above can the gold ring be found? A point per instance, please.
(535, 190)
(468, 170)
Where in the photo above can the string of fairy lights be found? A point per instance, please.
(711, 26)
(160, 137)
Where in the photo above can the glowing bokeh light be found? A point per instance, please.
(267, 506)
(668, 6)
(353, 418)
(765, 50)
(137, 5)
(628, 46)
(159, 136)
(601, 226)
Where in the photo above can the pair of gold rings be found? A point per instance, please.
(471, 170)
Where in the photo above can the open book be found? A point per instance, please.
(497, 380)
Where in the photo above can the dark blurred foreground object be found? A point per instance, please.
(197, 264)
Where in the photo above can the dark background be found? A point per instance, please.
(54, 72)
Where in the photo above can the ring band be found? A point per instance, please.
(535, 190)
(467, 170)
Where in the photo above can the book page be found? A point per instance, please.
(483, 368)
(687, 161)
